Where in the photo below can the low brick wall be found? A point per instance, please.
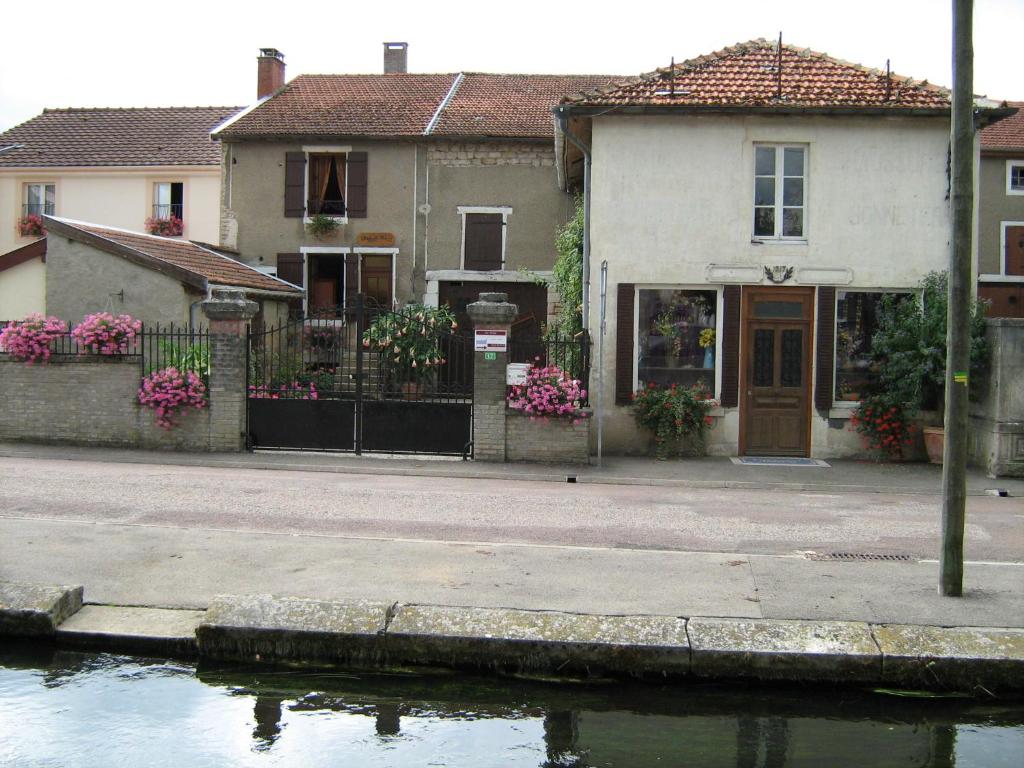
(549, 441)
(89, 401)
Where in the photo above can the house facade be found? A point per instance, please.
(401, 186)
(1001, 216)
(120, 167)
(753, 206)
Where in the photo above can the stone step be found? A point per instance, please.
(132, 629)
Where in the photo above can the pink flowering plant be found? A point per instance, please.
(30, 339)
(169, 392)
(31, 226)
(548, 391)
(170, 226)
(104, 334)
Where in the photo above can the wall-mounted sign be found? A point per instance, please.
(490, 355)
(516, 373)
(490, 341)
(376, 239)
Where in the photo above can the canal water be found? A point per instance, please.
(65, 708)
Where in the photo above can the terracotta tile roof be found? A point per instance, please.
(405, 105)
(103, 137)
(214, 267)
(747, 75)
(347, 105)
(510, 105)
(1008, 133)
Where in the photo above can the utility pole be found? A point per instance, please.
(958, 340)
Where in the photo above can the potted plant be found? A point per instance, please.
(103, 334)
(321, 226)
(171, 226)
(674, 414)
(409, 343)
(31, 226)
(30, 339)
(548, 392)
(909, 349)
(707, 343)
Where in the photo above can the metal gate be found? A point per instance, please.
(361, 378)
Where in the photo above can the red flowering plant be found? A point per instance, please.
(170, 226)
(31, 226)
(674, 414)
(30, 339)
(104, 334)
(548, 391)
(884, 424)
(169, 391)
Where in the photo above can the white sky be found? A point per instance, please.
(75, 53)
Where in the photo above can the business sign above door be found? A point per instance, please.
(376, 239)
(490, 341)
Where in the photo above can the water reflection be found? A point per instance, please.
(159, 713)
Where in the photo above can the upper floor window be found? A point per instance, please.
(483, 237)
(39, 199)
(326, 193)
(780, 176)
(168, 200)
(1015, 177)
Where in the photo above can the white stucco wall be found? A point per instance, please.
(23, 290)
(674, 194)
(118, 197)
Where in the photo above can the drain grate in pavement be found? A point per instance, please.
(857, 556)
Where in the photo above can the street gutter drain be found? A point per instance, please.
(570, 478)
(858, 556)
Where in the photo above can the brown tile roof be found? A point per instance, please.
(108, 136)
(405, 105)
(34, 250)
(510, 105)
(1008, 133)
(347, 105)
(182, 254)
(747, 75)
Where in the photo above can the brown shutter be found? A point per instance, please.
(357, 185)
(289, 267)
(824, 378)
(731, 346)
(294, 184)
(624, 329)
(1014, 251)
(483, 241)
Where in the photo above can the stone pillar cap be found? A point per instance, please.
(229, 304)
(492, 309)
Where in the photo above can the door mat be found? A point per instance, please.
(778, 461)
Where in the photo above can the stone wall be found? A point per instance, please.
(554, 440)
(997, 418)
(89, 401)
(465, 154)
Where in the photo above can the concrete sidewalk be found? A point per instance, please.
(843, 475)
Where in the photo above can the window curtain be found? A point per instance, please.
(320, 167)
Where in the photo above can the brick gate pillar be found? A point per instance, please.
(229, 313)
(491, 313)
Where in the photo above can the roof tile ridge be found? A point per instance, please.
(902, 79)
(90, 229)
(448, 97)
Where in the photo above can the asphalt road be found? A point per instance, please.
(497, 511)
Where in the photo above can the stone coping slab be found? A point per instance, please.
(36, 610)
(538, 641)
(130, 629)
(834, 651)
(959, 658)
(266, 628)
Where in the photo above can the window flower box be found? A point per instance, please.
(31, 226)
(170, 226)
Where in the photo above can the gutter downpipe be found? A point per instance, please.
(563, 126)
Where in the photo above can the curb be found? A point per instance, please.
(363, 634)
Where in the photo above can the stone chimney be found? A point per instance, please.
(270, 72)
(396, 58)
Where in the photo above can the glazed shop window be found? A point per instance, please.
(856, 321)
(676, 338)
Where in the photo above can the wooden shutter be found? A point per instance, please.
(356, 205)
(289, 267)
(824, 380)
(1014, 251)
(624, 329)
(730, 346)
(483, 241)
(294, 185)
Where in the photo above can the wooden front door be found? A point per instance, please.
(776, 365)
(376, 279)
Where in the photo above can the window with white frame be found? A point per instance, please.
(327, 191)
(484, 237)
(676, 337)
(780, 191)
(168, 200)
(39, 199)
(1015, 177)
(857, 314)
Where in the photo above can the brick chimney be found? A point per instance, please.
(270, 72)
(396, 58)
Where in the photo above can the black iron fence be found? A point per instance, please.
(167, 210)
(570, 353)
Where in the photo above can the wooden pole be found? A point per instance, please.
(958, 340)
